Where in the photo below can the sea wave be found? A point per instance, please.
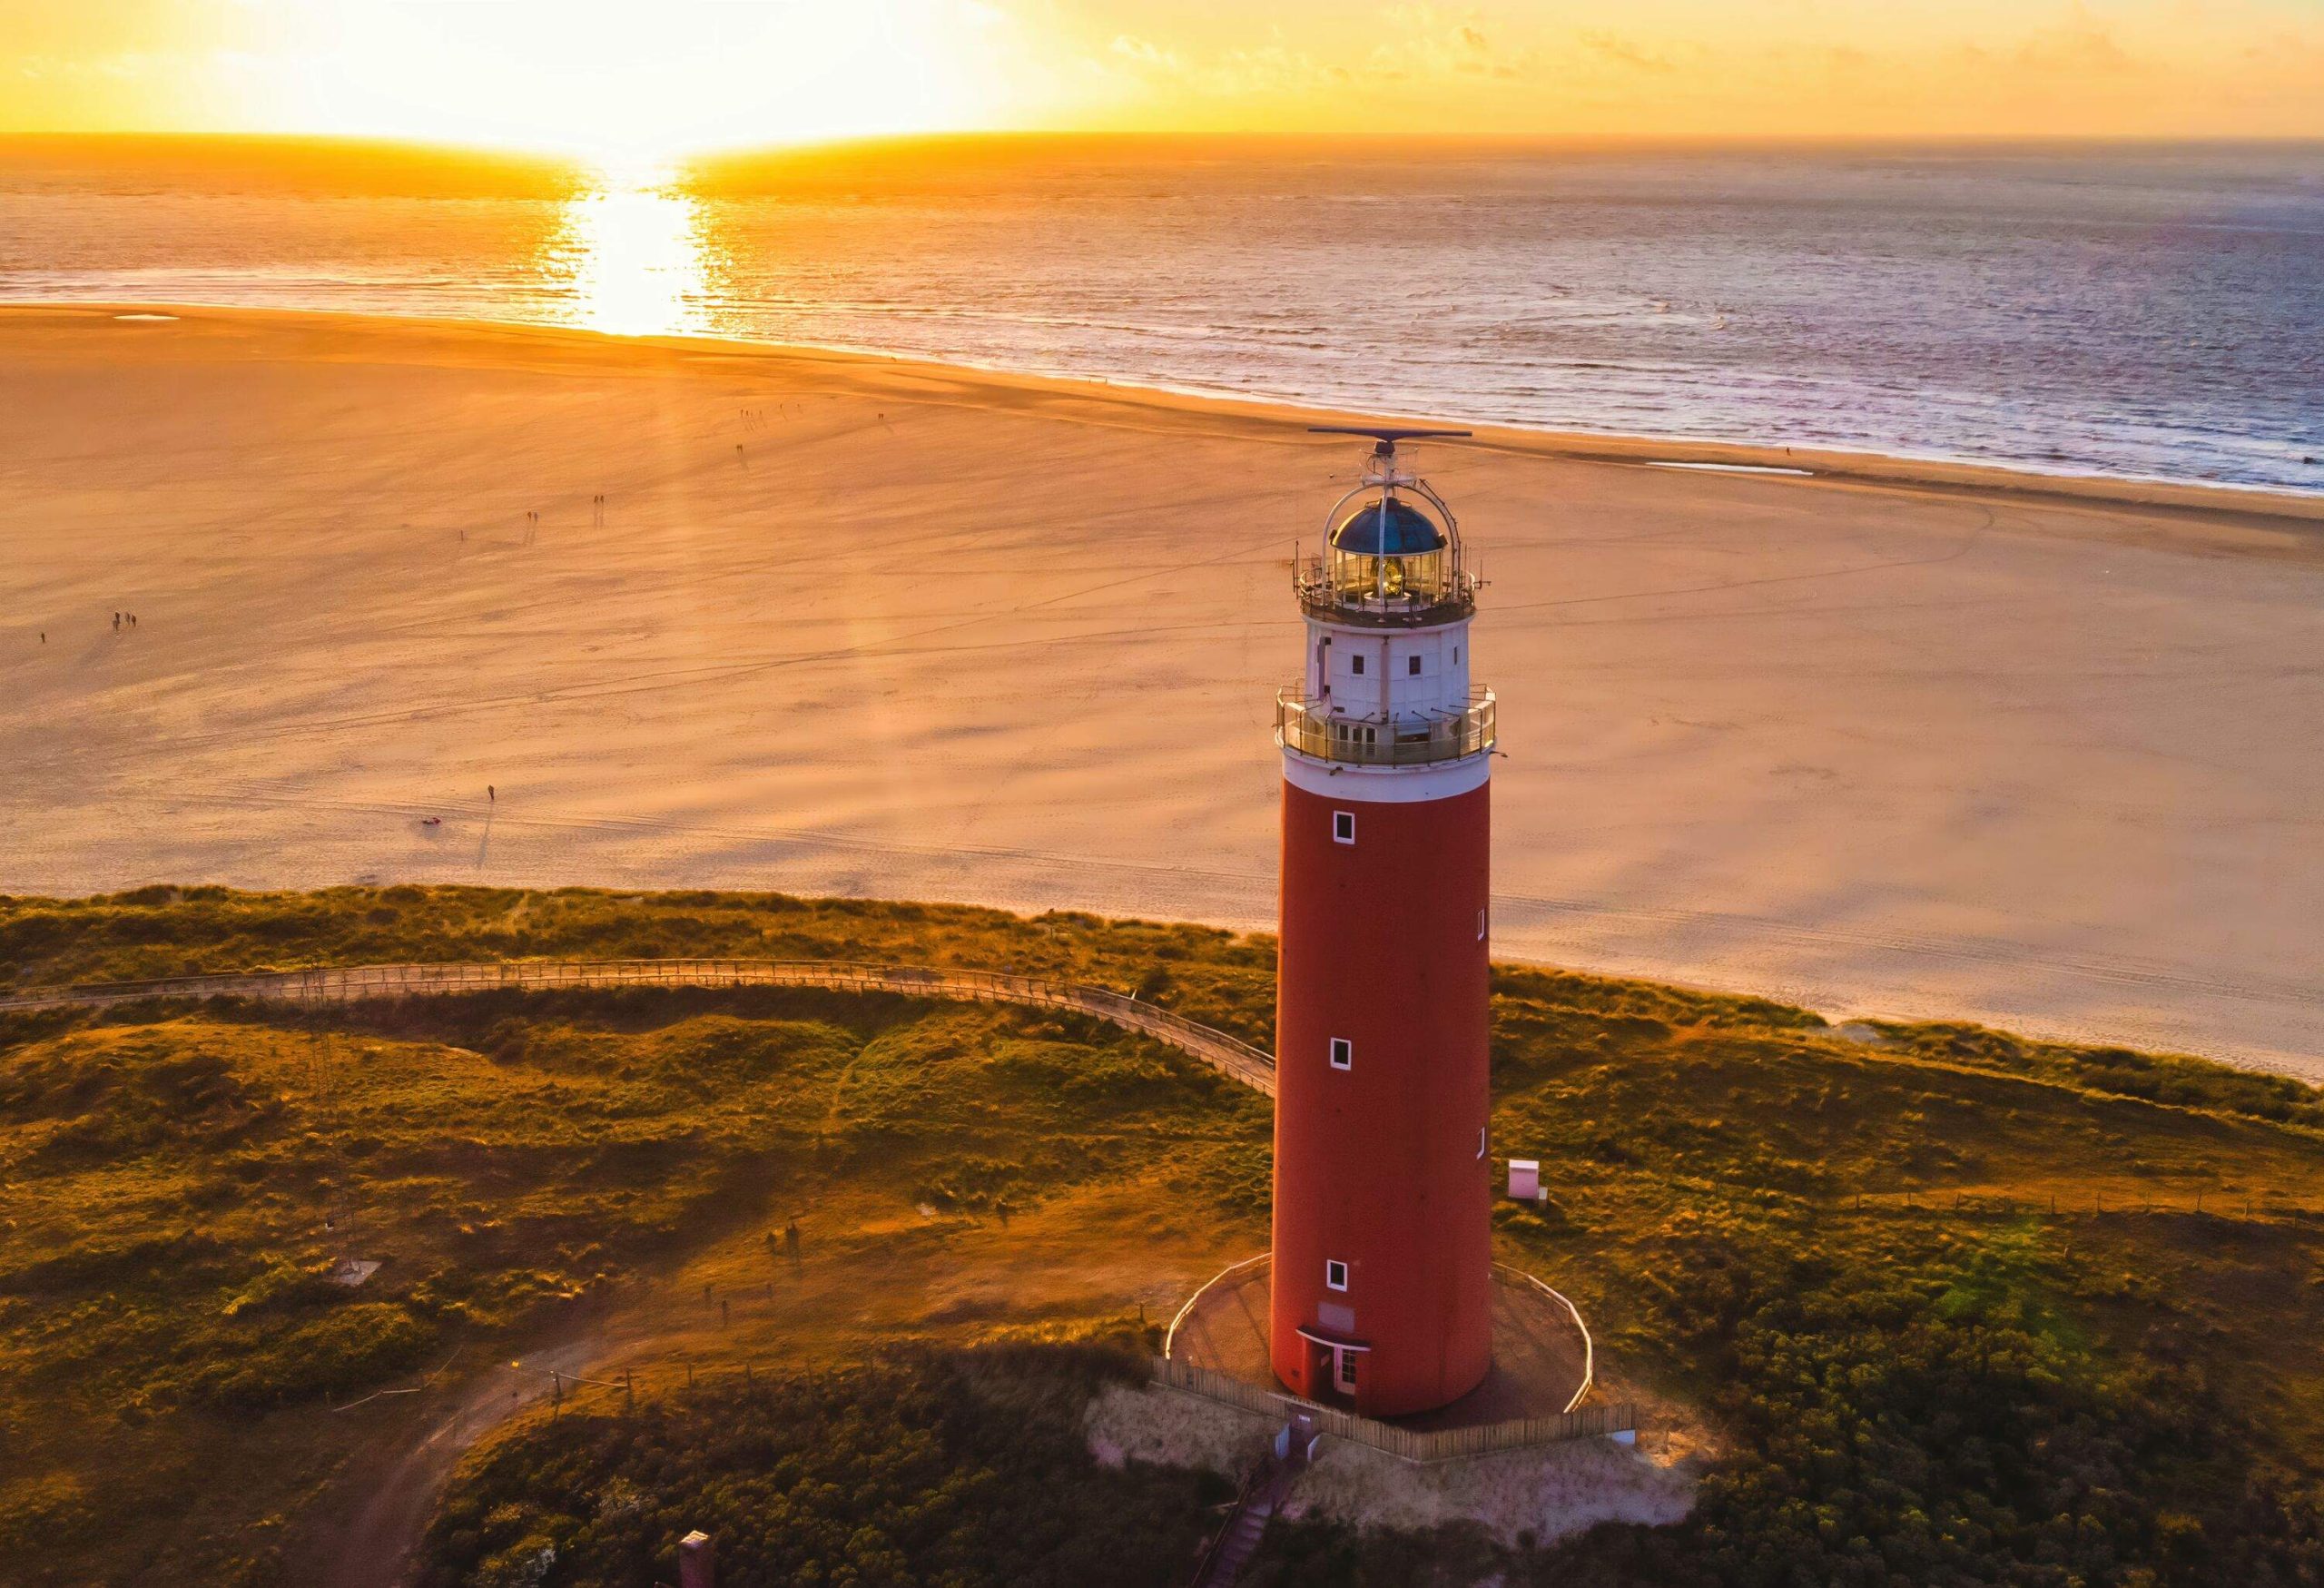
(2143, 314)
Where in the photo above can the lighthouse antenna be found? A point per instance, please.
(1386, 437)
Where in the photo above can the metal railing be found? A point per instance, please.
(1309, 727)
(1429, 589)
(351, 983)
(1574, 1422)
(1589, 1345)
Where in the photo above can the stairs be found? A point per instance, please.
(1239, 1540)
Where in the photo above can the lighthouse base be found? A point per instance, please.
(1540, 1353)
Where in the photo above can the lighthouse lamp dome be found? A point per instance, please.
(1388, 527)
(1389, 550)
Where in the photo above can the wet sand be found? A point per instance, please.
(1896, 739)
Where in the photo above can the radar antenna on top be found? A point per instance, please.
(1387, 436)
(1405, 560)
(1381, 469)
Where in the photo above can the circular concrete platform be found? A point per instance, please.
(1540, 1351)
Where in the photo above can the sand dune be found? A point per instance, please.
(1896, 739)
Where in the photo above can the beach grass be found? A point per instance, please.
(1942, 1304)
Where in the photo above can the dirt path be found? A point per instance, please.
(870, 1274)
(400, 1478)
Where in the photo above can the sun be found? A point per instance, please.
(630, 82)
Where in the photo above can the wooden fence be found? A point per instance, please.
(343, 985)
(1405, 1444)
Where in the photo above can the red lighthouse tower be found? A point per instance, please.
(1382, 1278)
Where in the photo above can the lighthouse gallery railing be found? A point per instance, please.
(1429, 589)
(1309, 727)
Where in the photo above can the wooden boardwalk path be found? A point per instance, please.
(356, 983)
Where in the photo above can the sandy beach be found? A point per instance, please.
(1887, 738)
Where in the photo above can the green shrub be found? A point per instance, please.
(960, 1469)
(336, 1353)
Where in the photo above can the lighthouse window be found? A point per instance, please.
(1412, 666)
(1343, 1053)
(1355, 666)
(1335, 1275)
(1343, 826)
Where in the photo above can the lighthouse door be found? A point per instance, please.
(1335, 1371)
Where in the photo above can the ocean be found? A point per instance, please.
(2142, 311)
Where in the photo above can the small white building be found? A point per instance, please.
(1525, 1179)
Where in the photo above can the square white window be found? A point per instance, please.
(1412, 666)
(1343, 826)
(1343, 1053)
(1335, 1275)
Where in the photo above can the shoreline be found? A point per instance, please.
(2263, 504)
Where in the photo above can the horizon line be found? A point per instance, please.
(1275, 137)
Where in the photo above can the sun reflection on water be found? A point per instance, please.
(633, 250)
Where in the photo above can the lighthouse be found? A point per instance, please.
(1381, 1297)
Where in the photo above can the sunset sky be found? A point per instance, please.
(646, 78)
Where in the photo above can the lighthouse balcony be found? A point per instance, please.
(1386, 592)
(1314, 729)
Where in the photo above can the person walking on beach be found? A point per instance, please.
(491, 797)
